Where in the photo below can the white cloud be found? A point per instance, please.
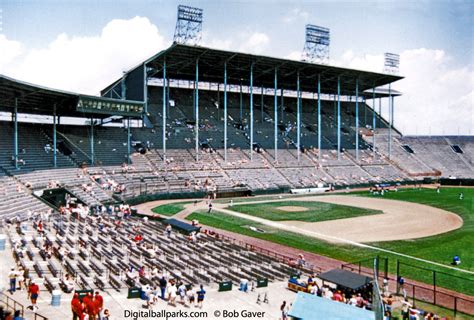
(87, 64)
(294, 55)
(437, 98)
(10, 51)
(245, 41)
(296, 15)
(256, 42)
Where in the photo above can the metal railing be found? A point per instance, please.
(430, 293)
(12, 305)
(269, 253)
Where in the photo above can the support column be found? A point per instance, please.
(357, 119)
(298, 116)
(390, 120)
(196, 108)
(225, 111)
(261, 106)
(338, 118)
(241, 110)
(145, 89)
(373, 123)
(380, 112)
(165, 102)
(282, 107)
(92, 142)
(15, 134)
(275, 112)
(128, 141)
(251, 111)
(55, 159)
(319, 119)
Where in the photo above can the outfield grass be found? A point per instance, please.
(439, 248)
(317, 211)
(170, 209)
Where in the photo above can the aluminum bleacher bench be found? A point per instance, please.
(55, 271)
(97, 268)
(39, 270)
(86, 282)
(115, 282)
(83, 267)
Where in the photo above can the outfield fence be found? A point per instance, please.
(429, 291)
(433, 292)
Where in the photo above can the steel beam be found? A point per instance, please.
(164, 110)
(338, 118)
(225, 111)
(196, 108)
(319, 119)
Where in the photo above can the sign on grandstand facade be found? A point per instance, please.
(109, 107)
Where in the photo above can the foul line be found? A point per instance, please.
(324, 236)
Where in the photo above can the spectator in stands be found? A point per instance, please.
(13, 275)
(405, 308)
(33, 292)
(98, 302)
(284, 311)
(106, 315)
(75, 306)
(301, 261)
(172, 292)
(190, 293)
(182, 292)
(200, 296)
(21, 279)
(168, 230)
(163, 284)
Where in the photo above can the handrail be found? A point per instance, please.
(13, 305)
(74, 145)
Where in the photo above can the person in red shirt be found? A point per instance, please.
(99, 302)
(338, 296)
(33, 292)
(75, 306)
(138, 238)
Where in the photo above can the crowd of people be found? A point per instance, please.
(90, 307)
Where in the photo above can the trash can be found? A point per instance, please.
(3, 242)
(56, 298)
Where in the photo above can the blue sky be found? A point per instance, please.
(363, 26)
(40, 40)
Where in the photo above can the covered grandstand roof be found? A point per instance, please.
(345, 279)
(35, 99)
(181, 61)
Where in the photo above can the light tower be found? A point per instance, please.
(391, 63)
(316, 46)
(188, 26)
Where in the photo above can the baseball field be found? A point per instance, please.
(419, 227)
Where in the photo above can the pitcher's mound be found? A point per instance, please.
(292, 209)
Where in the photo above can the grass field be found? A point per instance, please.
(170, 209)
(439, 248)
(317, 211)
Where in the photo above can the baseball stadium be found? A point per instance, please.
(210, 184)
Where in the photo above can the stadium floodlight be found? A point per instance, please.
(316, 46)
(392, 63)
(188, 26)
